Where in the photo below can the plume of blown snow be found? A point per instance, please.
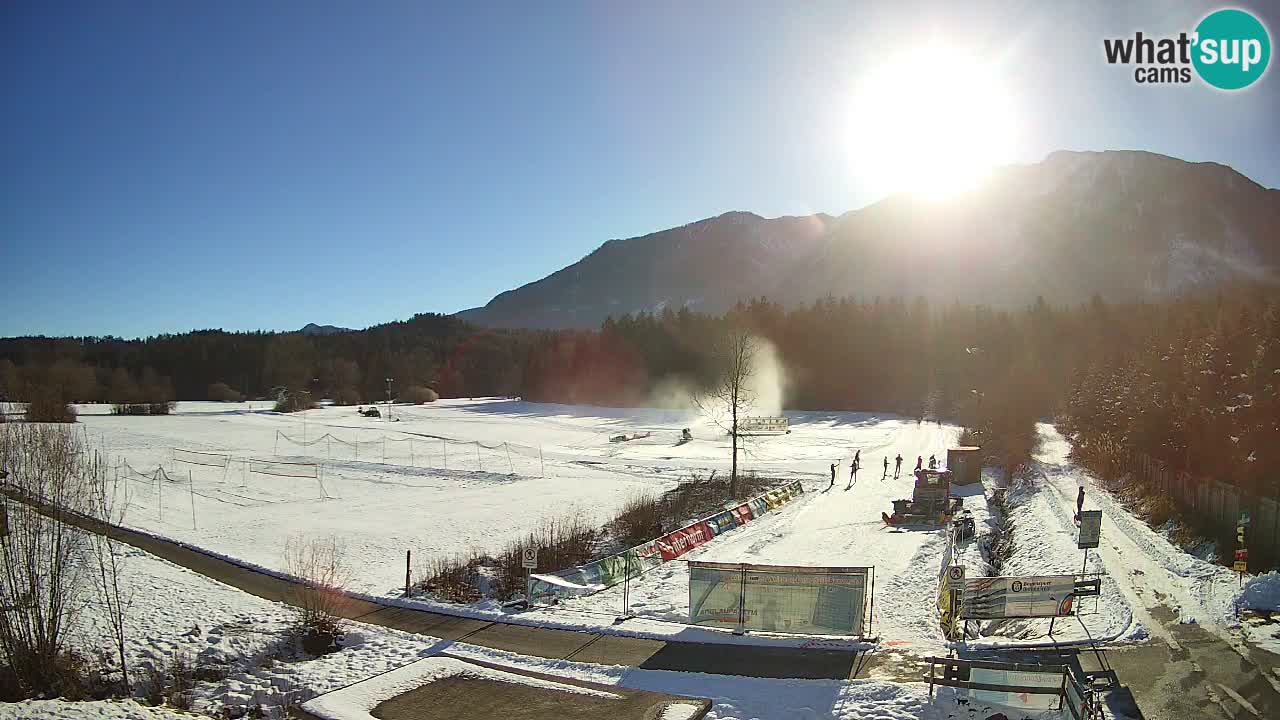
(673, 393)
(767, 385)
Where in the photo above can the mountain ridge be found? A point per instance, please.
(1124, 224)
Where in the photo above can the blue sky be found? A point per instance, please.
(167, 166)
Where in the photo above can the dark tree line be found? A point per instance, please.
(1191, 381)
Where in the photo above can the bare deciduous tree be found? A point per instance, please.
(43, 583)
(730, 393)
(108, 555)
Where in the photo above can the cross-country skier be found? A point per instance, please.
(886, 467)
(897, 466)
(833, 476)
(1079, 503)
(857, 459)
(853, 471)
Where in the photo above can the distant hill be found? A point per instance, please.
(1123, 224)
(314, 329)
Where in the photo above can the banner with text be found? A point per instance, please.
(990, 598)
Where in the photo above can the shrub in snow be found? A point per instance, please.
(45, 404)
(418, 395)
(319, 604)
(293, 402)
(222, 392)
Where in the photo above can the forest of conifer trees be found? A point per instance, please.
(1194, 382)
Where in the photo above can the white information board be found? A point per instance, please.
(1090, 529)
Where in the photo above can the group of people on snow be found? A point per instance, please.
(856, 464)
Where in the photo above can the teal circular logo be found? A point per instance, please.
(1232, 49)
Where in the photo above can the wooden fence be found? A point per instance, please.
(1216, 506)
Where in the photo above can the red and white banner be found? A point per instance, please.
(679, 542)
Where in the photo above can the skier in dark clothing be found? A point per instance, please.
(853, 472)
(933, 462)
(857, 459)
(886, 467)
(897, 466)
(919, 462)
(833, 476)
(1079, 503)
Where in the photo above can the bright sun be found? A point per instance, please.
(933, 121)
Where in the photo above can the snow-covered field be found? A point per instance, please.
(446, 503)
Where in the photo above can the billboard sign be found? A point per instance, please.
(991, 598)
(1090, 529)
(779, 598)
(715, 594)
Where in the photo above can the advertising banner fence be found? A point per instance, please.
(780, 598)
(607, 572)
(990, 598)
(679, 542)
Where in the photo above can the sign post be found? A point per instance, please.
(1241, 565)
(1090, 535)
(529, 561)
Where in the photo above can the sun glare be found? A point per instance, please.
(933, 121)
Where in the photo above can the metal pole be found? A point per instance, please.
(509, 463)
(406, 572)
(1086, 561)
(384, 448)
(873, 595)
(742, 601)
(541, 462)
(445, 444)
(411, 460)
(478, 460)
(192, 487)
(160, 491)
(626, 587)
